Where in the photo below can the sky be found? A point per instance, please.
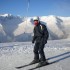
(35, 8)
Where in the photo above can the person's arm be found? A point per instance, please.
(46, 35)
(34, 37)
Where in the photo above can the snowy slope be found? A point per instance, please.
(21, 53)
(15, 28)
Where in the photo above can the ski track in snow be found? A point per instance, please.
(20, 53)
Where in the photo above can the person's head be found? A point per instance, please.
(36, 20)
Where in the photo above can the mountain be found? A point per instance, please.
(15, 28)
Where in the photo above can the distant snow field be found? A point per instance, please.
(20, 53)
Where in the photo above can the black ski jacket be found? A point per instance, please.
(40, 34)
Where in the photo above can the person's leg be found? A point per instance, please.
(42, 55)
(41, 52)
(36, 54)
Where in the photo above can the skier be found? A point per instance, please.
(40, 39)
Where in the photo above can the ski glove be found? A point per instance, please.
(32, 41)
(45, 42)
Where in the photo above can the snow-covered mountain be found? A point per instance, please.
(15, 28)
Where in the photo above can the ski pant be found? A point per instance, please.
(39, 51)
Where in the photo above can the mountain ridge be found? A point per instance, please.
(15, 28)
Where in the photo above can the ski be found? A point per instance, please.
(19, 67)
(39, 66)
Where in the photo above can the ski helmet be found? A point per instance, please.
(36, 18)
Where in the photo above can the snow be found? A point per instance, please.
(20, 53)
(5, 15)
(12, 28)
(16, 48)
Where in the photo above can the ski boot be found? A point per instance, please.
(42, 63)
(35, 61)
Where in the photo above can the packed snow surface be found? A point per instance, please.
(20, 53)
